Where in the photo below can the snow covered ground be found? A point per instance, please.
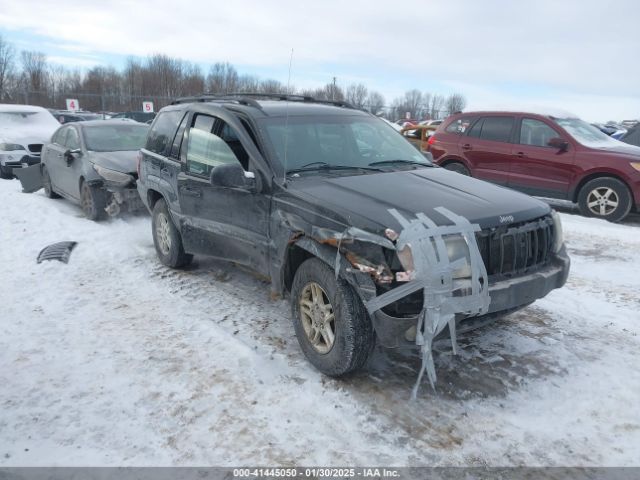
(115, 359)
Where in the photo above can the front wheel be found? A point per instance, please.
(607, 198)
(94, 201)
(458, 168)
(331, 323)
(166, 238)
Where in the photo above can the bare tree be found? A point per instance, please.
(436, 106)
(222, 78)
(455, 103)
(356, 95)
(34, 70)
(7, 65)
(375, 102)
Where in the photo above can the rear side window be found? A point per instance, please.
(163, 131)
(460, 125)
(496, 129)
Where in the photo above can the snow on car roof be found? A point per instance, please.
(7, 108)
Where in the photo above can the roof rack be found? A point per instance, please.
(249, 99)
(217, 98)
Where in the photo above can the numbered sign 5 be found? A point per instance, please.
(147, 107)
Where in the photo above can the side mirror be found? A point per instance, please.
(559, 143)
(70, 155)
(232, 175)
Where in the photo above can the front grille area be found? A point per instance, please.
(516, 249)
(35, 148)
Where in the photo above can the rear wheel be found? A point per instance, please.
(458, 168)
(606, 198)
(331, 323)
(93, 201)
(46, 184)
(166, 238)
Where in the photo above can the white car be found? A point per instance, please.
(23, 131)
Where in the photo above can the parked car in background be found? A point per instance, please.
(549, 155)
(94, 164)
(632, 137)
(142, 117)
(418, 135)
(23, 131)
(433, 123)
(311, 195)
(67, 116)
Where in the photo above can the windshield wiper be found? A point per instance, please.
(319, 166)
(401, 162)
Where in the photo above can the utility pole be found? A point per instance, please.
(333, 90)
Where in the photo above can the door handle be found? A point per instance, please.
(521, 155)
(466, 146)
(191, 192)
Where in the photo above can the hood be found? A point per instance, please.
(623, 150)
(24, 137)
(364, 200)
(125, 162)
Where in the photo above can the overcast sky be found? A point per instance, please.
(576, 55)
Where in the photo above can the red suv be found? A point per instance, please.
(544, 155)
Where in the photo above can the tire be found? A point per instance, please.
(6, 173)
(458, 168)
(46, 184)
(93, 201)
(607, 198)
(167, 239)
(353, 335)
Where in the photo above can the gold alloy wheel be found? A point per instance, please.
(602, 201)
(318, 319)
(163, 233)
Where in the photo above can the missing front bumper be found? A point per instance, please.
(507, 296)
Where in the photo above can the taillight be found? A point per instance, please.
(432, 139)
(139, 161)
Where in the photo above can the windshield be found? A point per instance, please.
(586, 134)
(115, 138)
(44, 119)
(346, 141)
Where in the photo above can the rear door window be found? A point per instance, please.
(497, 129)
(163, 132)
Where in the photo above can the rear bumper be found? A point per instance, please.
(507, 296)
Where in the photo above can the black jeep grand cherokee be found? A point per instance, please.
(308, 193)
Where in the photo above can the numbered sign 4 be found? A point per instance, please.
(73, 104)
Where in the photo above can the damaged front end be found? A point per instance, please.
(428, 280)
(123, 195)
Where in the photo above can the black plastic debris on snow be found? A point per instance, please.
(57, 251)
